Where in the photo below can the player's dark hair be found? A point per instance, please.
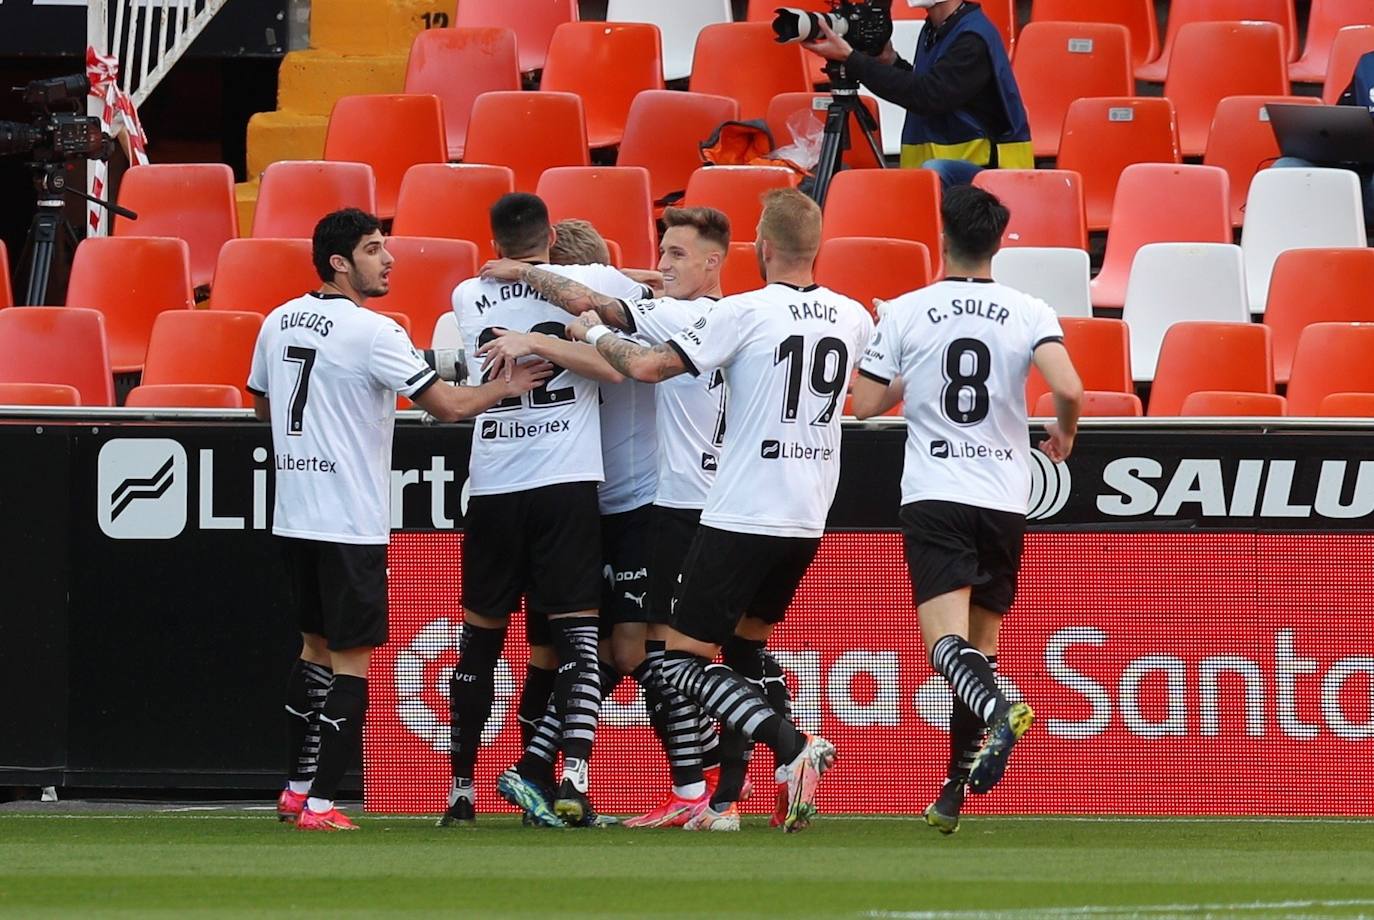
(520, 224)
(711, 225)
(974, 222)
(337, 234)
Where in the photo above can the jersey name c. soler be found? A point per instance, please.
(691, 409)
(551, 434)
(963, 350)
(786, 354)
(331, 370)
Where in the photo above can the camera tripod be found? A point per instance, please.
(50, 233)
(844, 102)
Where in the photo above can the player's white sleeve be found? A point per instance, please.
(882, 358)
(608, 280)
(655, 321)
(711, 341)
(396, 365)
(1044, 324)
(257, 372)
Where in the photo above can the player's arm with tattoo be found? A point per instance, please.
(639, 362)
(562, 292)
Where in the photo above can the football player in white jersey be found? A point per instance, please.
(786, 352)
(959, 351)
(532, 526)
(326, 372)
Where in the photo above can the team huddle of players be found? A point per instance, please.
(651, 470)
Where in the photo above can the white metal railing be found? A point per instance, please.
(146, 37)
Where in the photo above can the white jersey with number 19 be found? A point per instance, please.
(786, 353)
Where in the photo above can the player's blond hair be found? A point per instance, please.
(791, 223)
(576, 242)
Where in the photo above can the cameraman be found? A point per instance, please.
(964, 111)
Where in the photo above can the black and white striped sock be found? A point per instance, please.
(731, 700)
(306, 690)
(966, 732)
(577, 689)
(969, 676)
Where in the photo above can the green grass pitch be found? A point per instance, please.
(234, 864)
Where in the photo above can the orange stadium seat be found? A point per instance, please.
(186, 396)
(1101, 352)
(131, 280)
(1326, 18)
(1230, 403)
(452, 201)
(902, 204)
(1216, 60)
(738, 191)
(607, 64)
(400, 319)
(1186, 12)
(869, 267)
(65, 345)
(1330, 358)
(1058, 62)
(1160, 203)
(1138, 16)
(203, 346)
(295, 194)
(1046, 206)
(39, 394)
(1316, 286)
(615, 199)
(1241, 142)
(1347, 405)
(741, 60)
(1096, 404)
(261, 275)
(1103, 136)
(533, 21)
(192, 201)
(458, 65)
(662, 134)
(529, 132)
(783, 106)
(423, 278)
(6, 286)
(1211, 356)
(1352, 43)
(741, 270)
(390, 133)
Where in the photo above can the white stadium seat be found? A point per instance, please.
(1058, 276)
(446, 332)
(679, 22)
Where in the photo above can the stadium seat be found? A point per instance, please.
(191, 201)
(1057, 275)
(902, 204)
(186, 396)
(764, 11)
(1138, 16)
(39, 394)
(203, 346)
(615, 199)
(533, 22)
(738, 191)
(784, 106)
(1219, 59)
(865, 267)
(1101, 353)
(1096, 404)
(1104, 136)
(741, 60)
(1297, 208)
(663, 132)
(1046, 206)
(390, 133)
(65, 345)
(1198, 356)
(741, 270)
(529, 132)
(1316, 286)
(1160, 203)
(1223, 403)
(1186, 12)
(1347, 405)
(905, 34)
(1058, 62)
(1324, 21)
(261, 275)
(446, 332)
(402, 320)
(1241, 142)
(131, 280)
(423, 278)
(452, 201)
(616, 254)
(1330, 358)
(1178, 282)
(6, 286)
(607, 64)
(295, 194)
(678, 22)
(458, 65)
(1352, 43)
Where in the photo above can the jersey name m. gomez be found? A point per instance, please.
(963, 349)
(551, 434)
(786, 354)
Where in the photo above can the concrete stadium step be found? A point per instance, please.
(374, 26)
(274, 136)
(310, 82)
(246, 198)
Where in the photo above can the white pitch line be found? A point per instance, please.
(1141, 910)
